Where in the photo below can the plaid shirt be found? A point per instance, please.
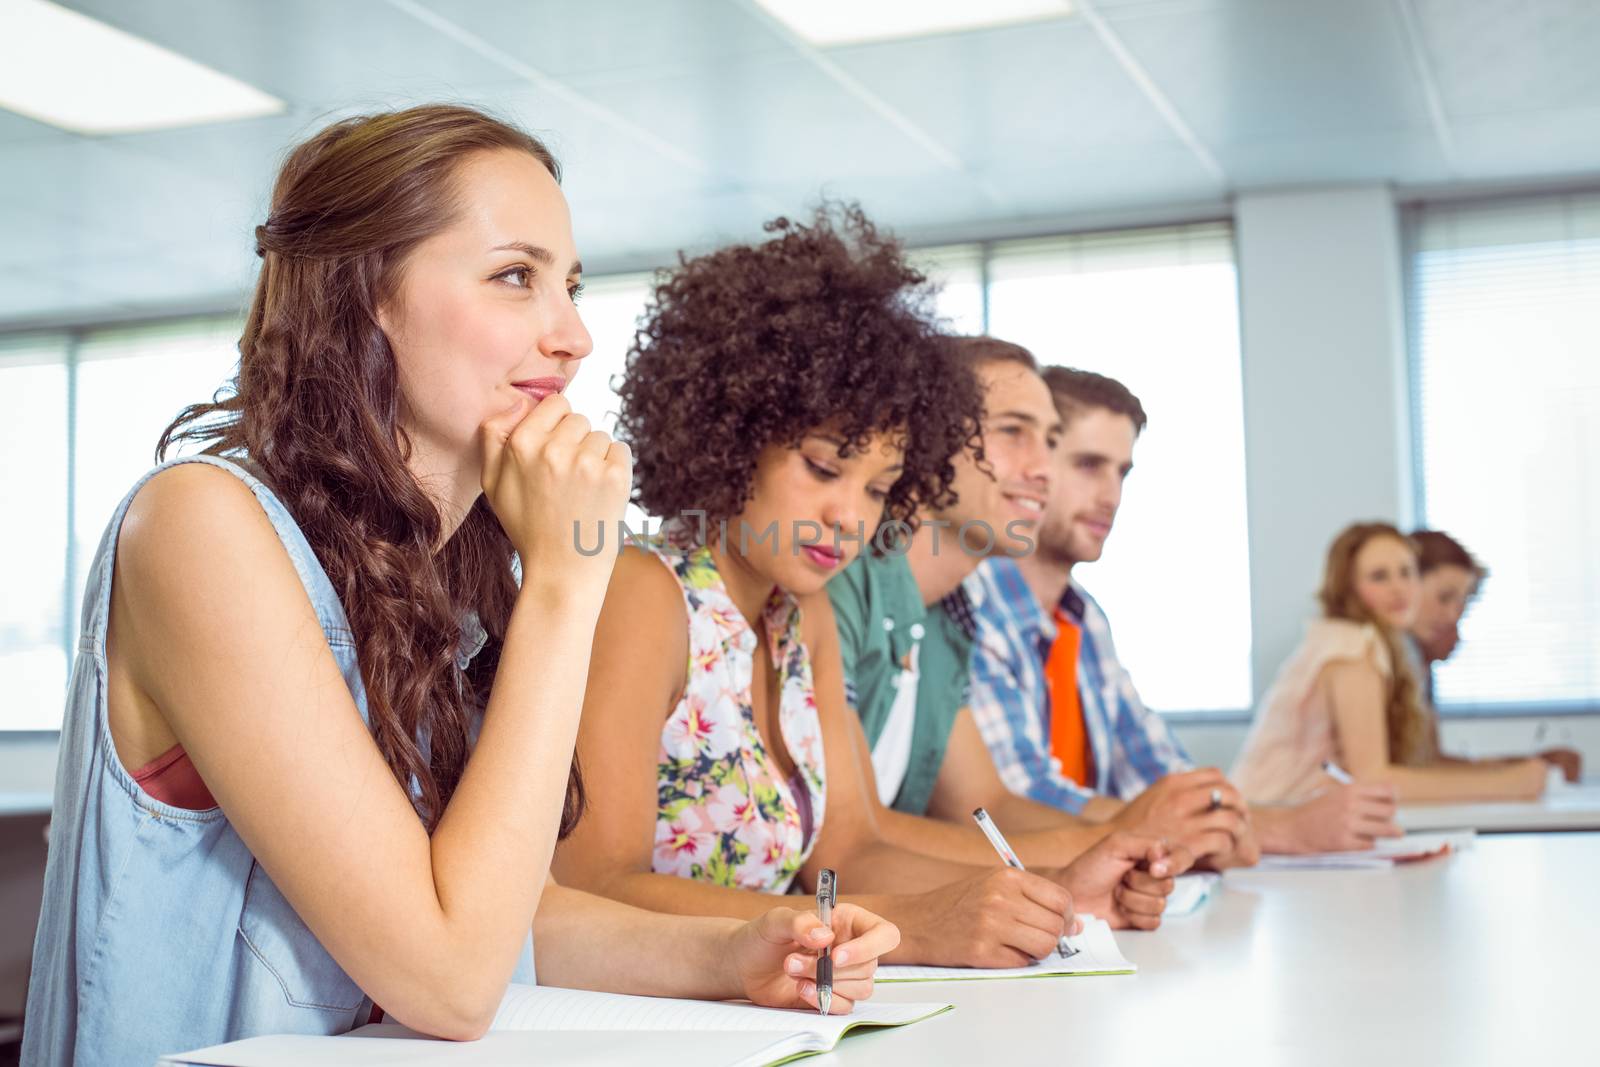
(1010, 697)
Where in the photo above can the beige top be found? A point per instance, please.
(1293, 732)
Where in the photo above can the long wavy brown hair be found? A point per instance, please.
(1408, 729)
(316, 408)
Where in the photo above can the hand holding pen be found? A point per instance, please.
(1009, 858)
(775, 960)
(827, 890)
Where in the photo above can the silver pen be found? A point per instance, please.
(1009, 857)
(1337, 773)
(827, 893)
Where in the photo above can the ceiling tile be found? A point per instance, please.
(19, 129)
(564, 39)
(1493, 57)
(1268, 68)
(352, 53)
(684, 122)
(766, 120)
(1508, 146)
(993, 94)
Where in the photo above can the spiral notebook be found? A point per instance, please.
(543, 1024)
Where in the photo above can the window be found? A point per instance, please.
(34, 607)
(131, 384)
(958, 272)
(1156, 309)
(82, 411)
(79, 418)
(610, 308)
(1505, 344)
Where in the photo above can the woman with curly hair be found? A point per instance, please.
(1348, 694)
(792, 405)
(318, 747)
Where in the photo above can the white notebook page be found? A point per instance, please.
(1098, 954)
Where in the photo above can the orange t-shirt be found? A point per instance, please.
(1069, 741)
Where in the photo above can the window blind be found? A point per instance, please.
(1505, 345)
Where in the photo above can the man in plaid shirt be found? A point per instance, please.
(1096, 750)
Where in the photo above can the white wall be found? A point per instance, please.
(1326, 411)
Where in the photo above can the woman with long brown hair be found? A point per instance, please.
(1348, 695)
(318, 747)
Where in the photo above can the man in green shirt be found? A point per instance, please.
(905, 638)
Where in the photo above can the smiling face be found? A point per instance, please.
(1385, 580)
(813, 483)
(484, 308)
(1092, 461)
(1012, 487)
(1446, 591)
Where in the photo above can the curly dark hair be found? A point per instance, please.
(822, 324)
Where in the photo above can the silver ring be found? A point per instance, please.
(1216, 798)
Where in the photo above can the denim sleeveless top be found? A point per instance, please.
(160, 933)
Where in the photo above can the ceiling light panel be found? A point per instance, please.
(826, 23)
(77, 73)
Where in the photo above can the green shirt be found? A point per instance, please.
(880, 615)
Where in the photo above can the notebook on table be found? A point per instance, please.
(1097, 954)
(545, 1024)
(1189, 891)
(1386, 853)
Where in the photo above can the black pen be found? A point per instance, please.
(827, 892)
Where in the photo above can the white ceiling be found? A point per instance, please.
(683, 122)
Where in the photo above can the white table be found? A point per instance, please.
(1487, 956)
(1567, 807)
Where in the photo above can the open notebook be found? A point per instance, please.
(1098, 954)
(546, 1024)
(1386, 853)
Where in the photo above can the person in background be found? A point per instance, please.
(1451, 579)
(787, 400)
(906, 630)
(1348, 695)
(1059, 712)
(318, 745)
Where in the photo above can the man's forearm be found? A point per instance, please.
(1101, 808)
(1023, 815)
(886, 866)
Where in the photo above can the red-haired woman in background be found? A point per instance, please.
(1348, 695)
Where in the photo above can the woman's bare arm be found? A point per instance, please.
(215, 639)
(1356, 691)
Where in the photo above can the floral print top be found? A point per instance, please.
(726, 813)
